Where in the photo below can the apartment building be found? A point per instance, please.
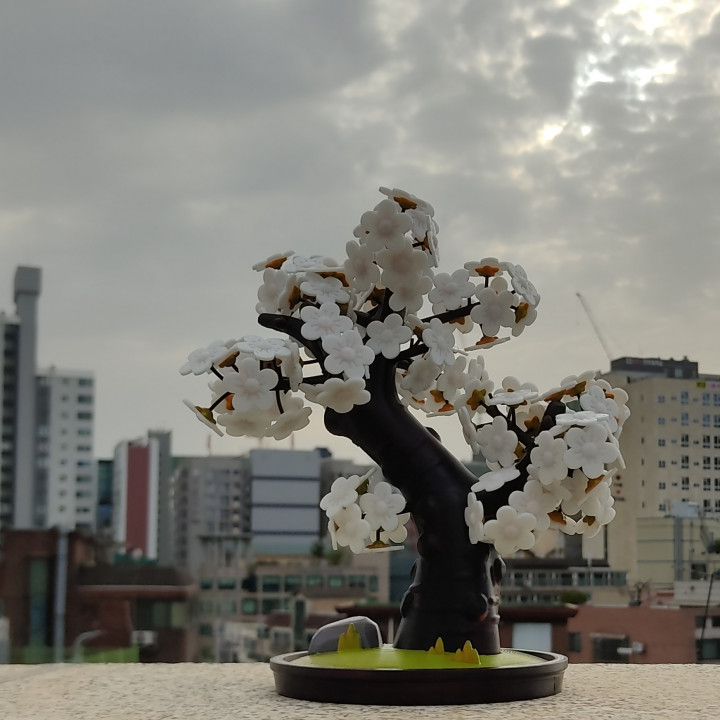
(671, 447)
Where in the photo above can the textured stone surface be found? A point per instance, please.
(246, 692)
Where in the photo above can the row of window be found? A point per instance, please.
(707, 484)
(685, 441)
(707, 506)
(685, 398)
(293, 583)
(707, 462)
(685, 420)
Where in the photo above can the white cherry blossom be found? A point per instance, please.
(450, 291)
(383, 227)
(274, 261)
(474, 516)
(511, 531)
(487, 267)
(399, 534)
(302, 264)
(201, 360)
(548, 457)
(352, 529)
(274, 292)
(360, 269)
(382, 507)
(534, 500)
(495, 479)
(497, 442)
(402, 265)
(295, 416)
(420, 376)
(343, 492)
(385, 337)
(409, 295)
(407, 200)
(525, 315)
(469, 429)
(513, 397)
(440, 342)
(251, 387)
(324, 321)
(588, 449)
(238, 424)
(203, 417)
(494, 310)
(337, 394)
(346, 354)
(580, 418)
(266, 349)
(324, 289)
(521, 284)
(595, 400)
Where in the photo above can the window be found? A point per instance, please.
(706, 441)
(706, 398)
(717, 484)
(706, 420)
(706, 505)
(685, 483)
(575, 642)
(661, 463)
(85, 399)
(336, 581)
(661, 421)
(206, 584)
(716, 399)
(661, 398)
(661, 507)
(684, 397)
(226, 583)
(661, 485)
(314, 581)
(661, 442)
(684, 461)
(716, 442)
(356, 581)
(85, 382)
(716, 421)
(292, 583)
(706, 462)
(684, 440)
(249, 606)
(717, 463)
(717, 506)
(271, 583)
(706, 484)
(84, 416)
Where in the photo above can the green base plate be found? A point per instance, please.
(387, 676)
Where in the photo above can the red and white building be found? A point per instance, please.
(136, 483)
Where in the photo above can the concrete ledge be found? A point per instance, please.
(246, 692)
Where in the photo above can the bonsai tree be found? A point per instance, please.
(382, 335)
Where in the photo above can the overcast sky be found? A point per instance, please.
(151, 151)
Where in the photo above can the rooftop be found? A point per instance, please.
(246, 692)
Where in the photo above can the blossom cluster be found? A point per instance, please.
(357, 312)
(567, 456)
(364, 516)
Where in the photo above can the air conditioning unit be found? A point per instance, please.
(143, 637)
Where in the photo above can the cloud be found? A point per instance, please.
(153, 152)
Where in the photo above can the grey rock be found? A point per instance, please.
(326, 638)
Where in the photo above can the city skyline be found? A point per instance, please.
(151, 157)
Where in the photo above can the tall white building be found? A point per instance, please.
(671, 447)
(65, 491)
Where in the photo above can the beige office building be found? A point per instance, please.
(671, 447)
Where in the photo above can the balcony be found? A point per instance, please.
(246, 692)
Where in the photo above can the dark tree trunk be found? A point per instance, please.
(454, 592)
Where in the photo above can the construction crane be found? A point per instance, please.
(599, 334)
